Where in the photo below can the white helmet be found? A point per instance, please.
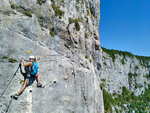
(31, 57)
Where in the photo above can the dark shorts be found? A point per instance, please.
(28, 78)
(31, 78)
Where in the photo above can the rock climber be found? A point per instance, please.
(31, 70)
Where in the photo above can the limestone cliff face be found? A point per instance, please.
(64, 35)
(126, 77)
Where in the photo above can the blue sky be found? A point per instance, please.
(125, 25)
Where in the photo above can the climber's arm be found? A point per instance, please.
(26, 64)
(36, 59)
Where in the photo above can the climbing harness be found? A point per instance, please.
(10, 80)
(11, 100)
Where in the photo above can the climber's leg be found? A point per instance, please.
(38, 81)
(23, 87)
(21, 90)
(38, 78)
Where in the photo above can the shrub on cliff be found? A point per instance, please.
(76, 21)
(27, 13)
(57, 11)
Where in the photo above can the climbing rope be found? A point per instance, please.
(10, 81)
(49, 59)
(10, 101)
(6, 110)
(19, 67)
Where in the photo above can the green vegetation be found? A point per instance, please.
(40, 1)
(4, 57)
(53, 1)
(13, 6)
(12, 60)
(77, 1)
(136, 67)
(122, 61)
(86, 57)
(76, 21)
(105, 57)
(52, 33)
(144, 61)
(86, 35)
(27, 13)
(147, 76)
(140, 104)
(62, 3)
(86, 3)
(104, 63)
(80, 1)
(87, 20)
(137, 103)
(77, 26)
(103, 80)
(108, 101)
(130, 78)
(116, 110)
(57, 10)
(132, 74)
(88, 12)
(91, 60)
(102, 85)
(110, 52)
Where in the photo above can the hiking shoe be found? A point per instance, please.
(15, 96)
(39, 85)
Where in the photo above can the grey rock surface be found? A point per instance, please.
(25, 26)
(67, 45)
(125, 73)
(116, 74)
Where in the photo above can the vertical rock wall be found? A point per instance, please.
(64, 35)
(126, 77)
